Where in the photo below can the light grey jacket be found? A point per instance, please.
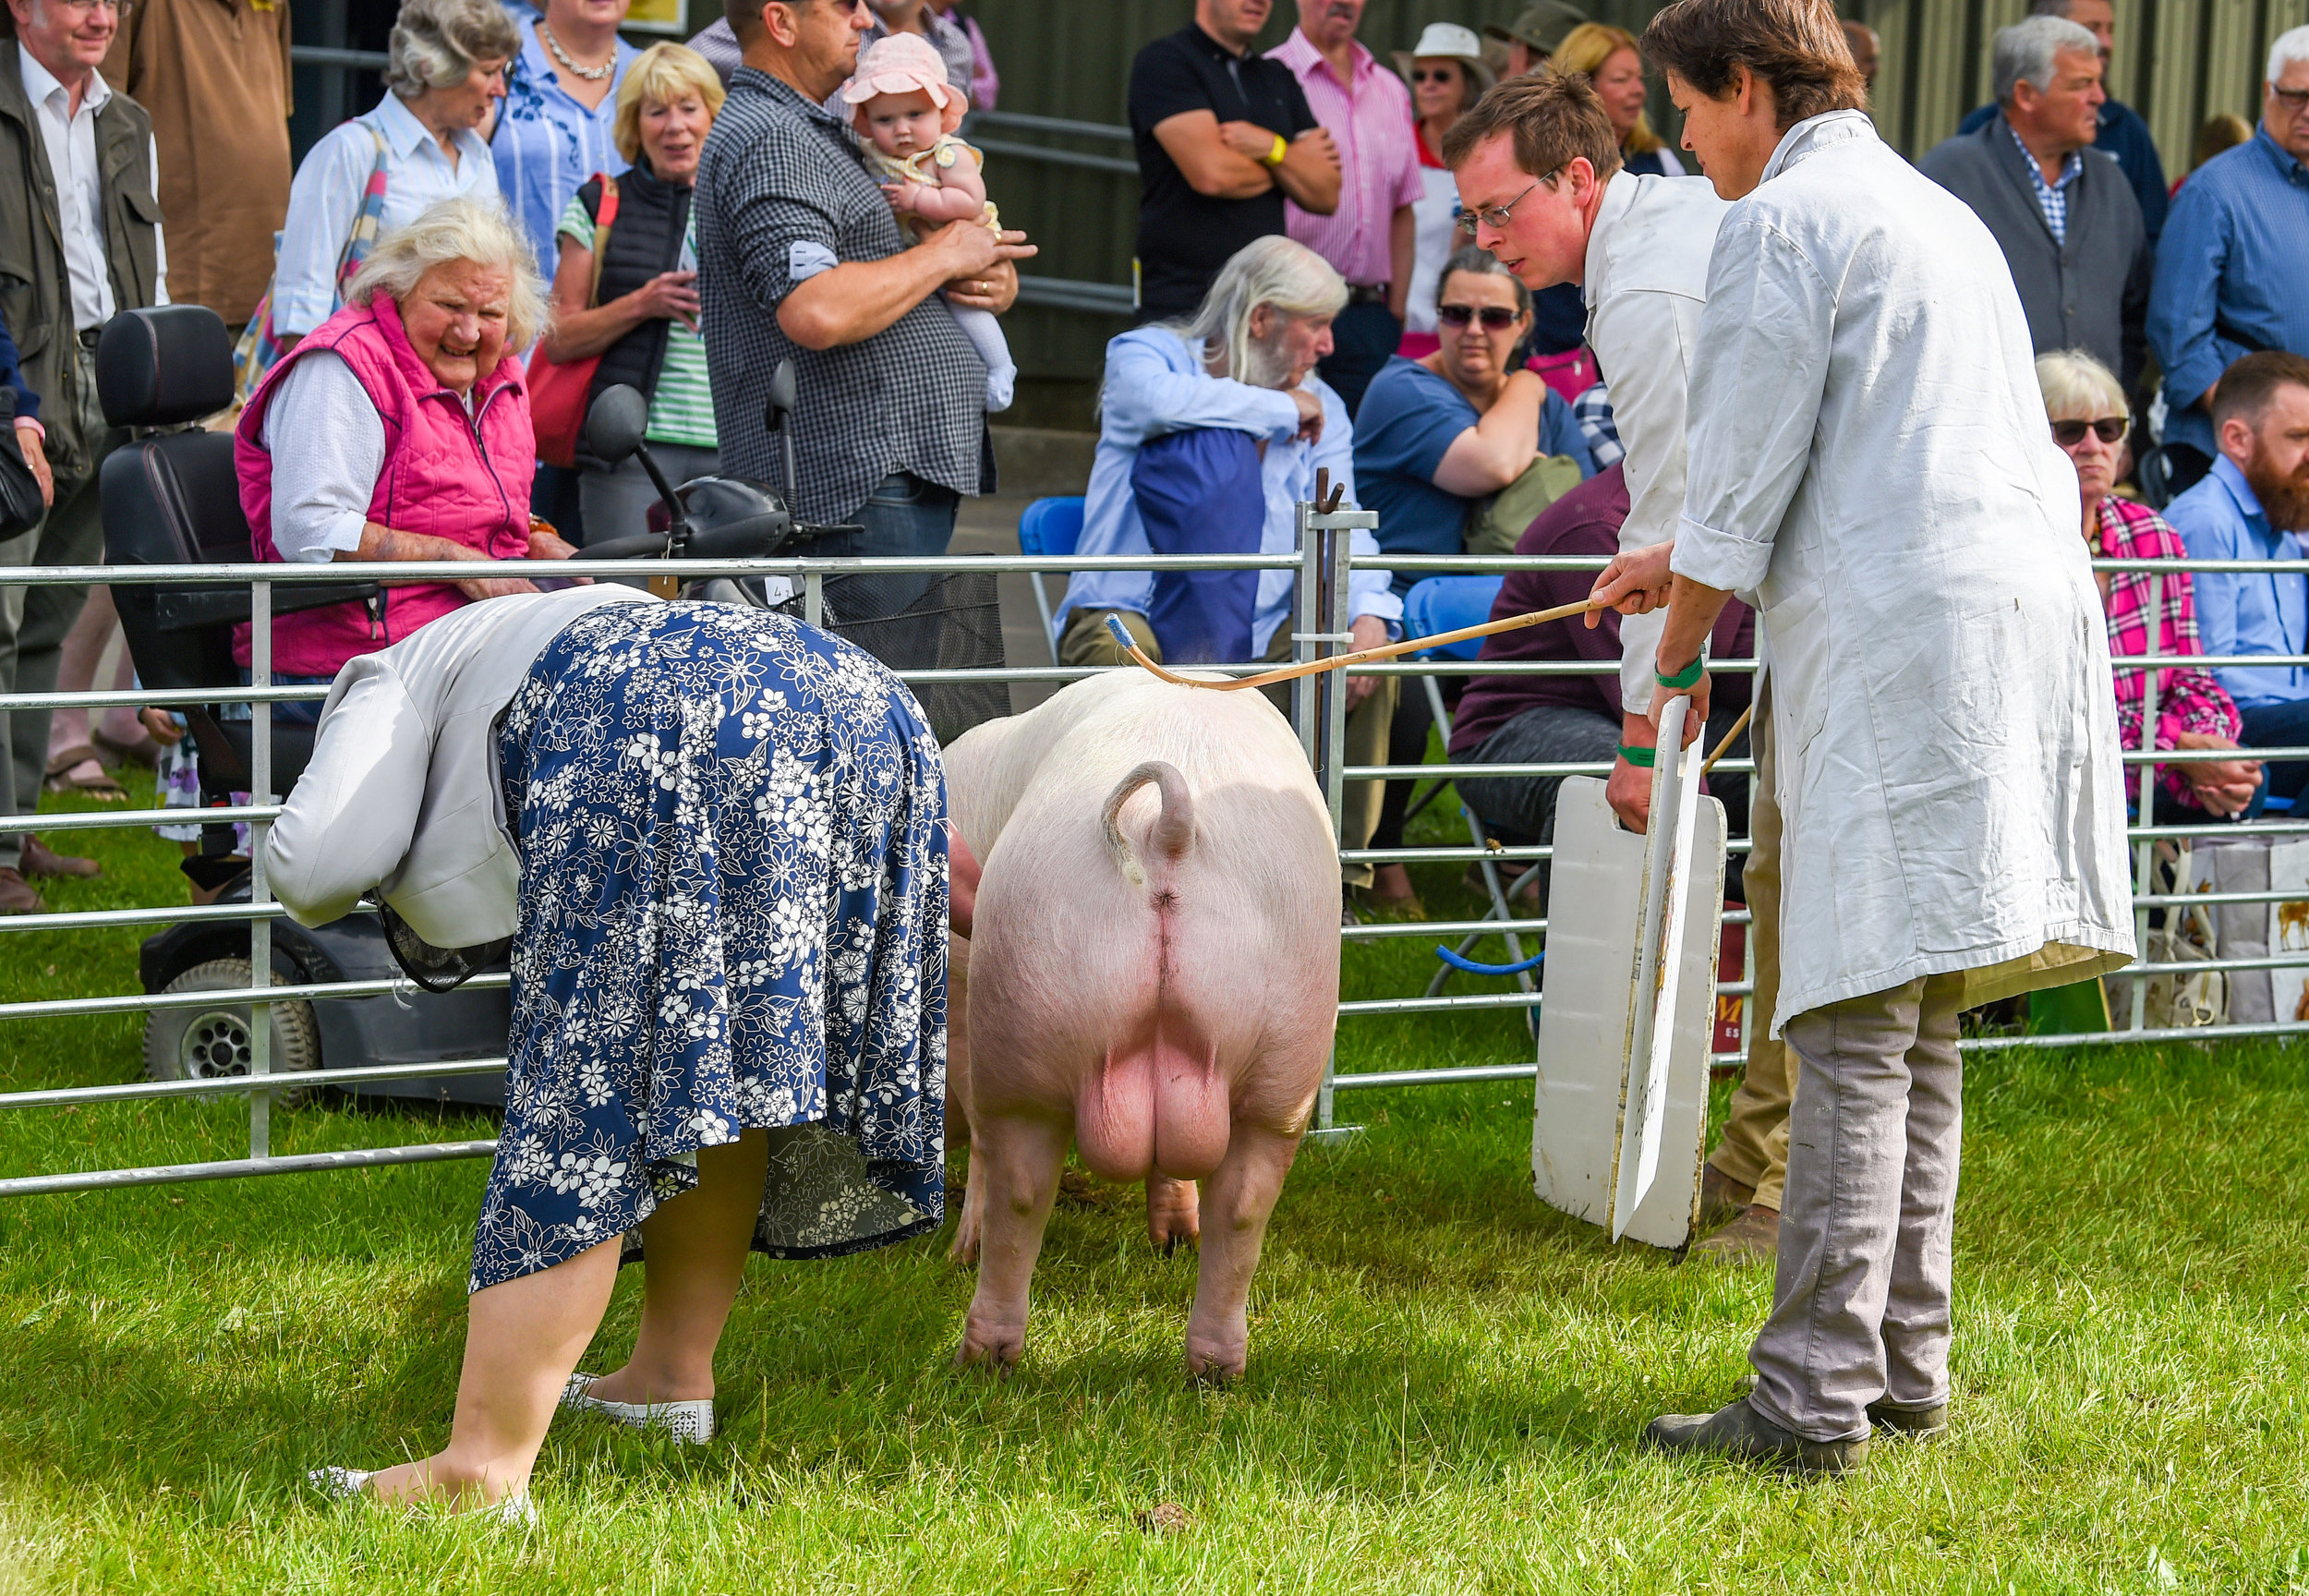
(402, 794)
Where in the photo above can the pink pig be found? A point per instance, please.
(1153, 974)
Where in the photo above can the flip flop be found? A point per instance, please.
(101, 786)
(79, 753)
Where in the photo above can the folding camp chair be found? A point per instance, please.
(1049, 527)
(1445, 604)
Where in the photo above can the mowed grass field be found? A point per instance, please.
(1446, 1379)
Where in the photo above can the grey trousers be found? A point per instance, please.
(33, 620)
(1860, 1304)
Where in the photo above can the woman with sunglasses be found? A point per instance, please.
(2085, 404)
(1447, 74)
(1436, 438)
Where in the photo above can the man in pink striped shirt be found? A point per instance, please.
(1368, 239)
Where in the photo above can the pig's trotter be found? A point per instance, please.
(1013, 1179)
(1172, 1216)
(1241, 1197)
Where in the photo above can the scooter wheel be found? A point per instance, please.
(210, 1041)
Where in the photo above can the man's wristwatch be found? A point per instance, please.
(1274, 157)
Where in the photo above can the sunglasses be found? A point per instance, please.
(2109, 430)
(1434, 75)
(1496, 318)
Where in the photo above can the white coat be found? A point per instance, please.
(401, 793)
(1869, 459)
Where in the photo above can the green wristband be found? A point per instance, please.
(1643, 756)
(1686, 677)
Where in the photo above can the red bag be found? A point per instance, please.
(1571, 373)
(558, 392)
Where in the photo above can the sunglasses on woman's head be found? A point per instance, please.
(2109, 430)
(1496, 318)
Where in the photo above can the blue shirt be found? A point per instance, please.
(1407, 422)
(2249, 611)
(2125, 136)
(2229, 270)
(546, 143)
(1156, 385)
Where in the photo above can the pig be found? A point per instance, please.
(1151, 974)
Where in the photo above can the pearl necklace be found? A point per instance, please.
(590, 74)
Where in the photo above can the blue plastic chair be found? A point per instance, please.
(1437, 605)
(1049, 527)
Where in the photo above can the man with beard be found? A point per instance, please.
(2251, 506)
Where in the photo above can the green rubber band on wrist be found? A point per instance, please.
(1643, 756)
(1686, 677)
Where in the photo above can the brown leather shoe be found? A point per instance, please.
(17, 896)
(41, 859)
(1753, 1237)
(1721, 1197)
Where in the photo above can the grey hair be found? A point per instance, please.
(436, 43)
(2022, 53)
(2075, 384)
(462, 228)
(1480, 262)
(1271, 270)
(2289, 46)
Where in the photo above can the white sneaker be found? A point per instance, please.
(340, 1484)
(692, 1420)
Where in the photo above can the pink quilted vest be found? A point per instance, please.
(446, 475)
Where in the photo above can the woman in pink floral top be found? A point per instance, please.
(2089, 419)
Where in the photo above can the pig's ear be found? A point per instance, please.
(962, 891)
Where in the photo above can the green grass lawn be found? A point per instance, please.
(1446, 1379)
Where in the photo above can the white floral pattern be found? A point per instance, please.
(732, 916)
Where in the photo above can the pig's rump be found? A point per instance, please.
(1157, 937)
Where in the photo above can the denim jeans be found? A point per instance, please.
(1363, 338)
(2278, 726)
(903, 516)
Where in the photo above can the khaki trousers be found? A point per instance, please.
(1085, 642)
(1860, 1301)
(1754, 1150)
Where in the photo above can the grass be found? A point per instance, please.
(1445, 1384)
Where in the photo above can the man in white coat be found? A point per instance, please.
(1867, 458)
(1538, 165)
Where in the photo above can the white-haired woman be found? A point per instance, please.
(2085, 404)
(1210, 431)
(399, 429)
(444, 74)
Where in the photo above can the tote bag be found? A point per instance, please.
(259, 346)
(558, 392)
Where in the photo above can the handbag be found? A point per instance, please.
(1494, 525)
(259, 346)
(558, 391)
(20, 509)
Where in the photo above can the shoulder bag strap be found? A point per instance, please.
(605, 214)
(369, 218)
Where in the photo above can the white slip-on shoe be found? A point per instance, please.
(692, 1420)
(344, 1484)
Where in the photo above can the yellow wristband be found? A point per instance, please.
(1275, 156)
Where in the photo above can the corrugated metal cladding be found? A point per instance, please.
(2177, 62)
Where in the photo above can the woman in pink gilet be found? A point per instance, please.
(399, 429)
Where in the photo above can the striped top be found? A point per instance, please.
(682, 410)
(1370, 120)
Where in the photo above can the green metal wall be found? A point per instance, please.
(2177, 61)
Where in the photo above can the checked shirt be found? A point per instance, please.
(2188, 699)
(782, 192)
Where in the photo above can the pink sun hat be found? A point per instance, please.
(900, 64)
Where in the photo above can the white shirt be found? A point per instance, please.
(1434, 235)
(1869, 457)
(325, 199)
(1645, 282)
(328, 447)
(71, 141)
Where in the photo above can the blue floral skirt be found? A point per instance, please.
(733, 898)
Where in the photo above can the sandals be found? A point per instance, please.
(100, 786)
(144, 751)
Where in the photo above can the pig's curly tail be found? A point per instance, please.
(1173, 832)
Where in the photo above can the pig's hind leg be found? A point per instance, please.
(1173, 1215)
(1014, 1162)
(1235, 1203)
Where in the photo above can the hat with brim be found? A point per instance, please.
(1542, 25)
(1449, 41)
(899, 64)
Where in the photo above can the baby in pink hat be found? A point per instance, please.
(907, 112)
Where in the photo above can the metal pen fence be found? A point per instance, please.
(1321, 623)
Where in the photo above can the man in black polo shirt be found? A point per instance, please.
(1224, 135)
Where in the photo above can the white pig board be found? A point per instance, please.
(2289, 928)
(1587, 1018)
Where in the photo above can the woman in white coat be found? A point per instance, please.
(1867, 458)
